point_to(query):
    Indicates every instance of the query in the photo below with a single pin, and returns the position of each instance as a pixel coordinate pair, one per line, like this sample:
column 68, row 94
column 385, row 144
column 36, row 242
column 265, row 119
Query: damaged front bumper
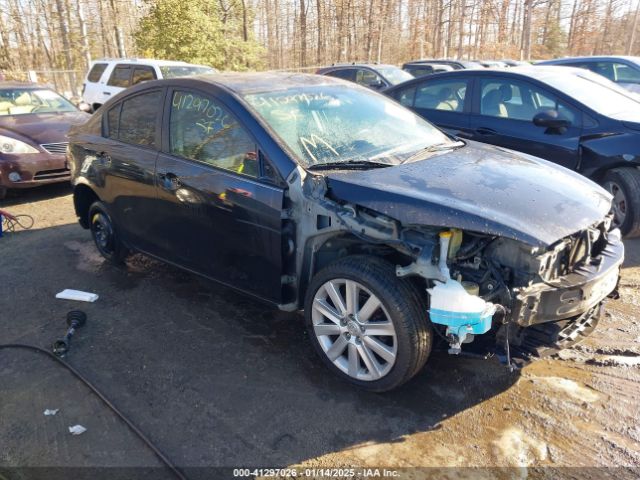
column 575, row 293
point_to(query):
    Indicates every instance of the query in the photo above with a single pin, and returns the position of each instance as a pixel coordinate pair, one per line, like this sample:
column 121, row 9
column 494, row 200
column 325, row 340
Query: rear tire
column 380, row 338
column 624, row 185
column 105, row 236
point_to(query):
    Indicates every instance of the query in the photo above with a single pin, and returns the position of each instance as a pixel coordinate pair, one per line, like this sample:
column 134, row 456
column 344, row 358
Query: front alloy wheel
column 367, row 325
column 354, row 329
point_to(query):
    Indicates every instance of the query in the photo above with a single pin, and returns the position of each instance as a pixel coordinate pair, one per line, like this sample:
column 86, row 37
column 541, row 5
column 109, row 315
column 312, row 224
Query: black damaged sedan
column 314, row 194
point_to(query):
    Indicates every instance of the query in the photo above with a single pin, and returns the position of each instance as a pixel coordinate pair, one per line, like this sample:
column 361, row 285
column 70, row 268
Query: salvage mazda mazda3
column 315, row 194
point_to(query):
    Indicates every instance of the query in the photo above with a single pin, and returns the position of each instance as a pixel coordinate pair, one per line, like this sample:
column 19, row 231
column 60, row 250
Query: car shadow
column 28, row 195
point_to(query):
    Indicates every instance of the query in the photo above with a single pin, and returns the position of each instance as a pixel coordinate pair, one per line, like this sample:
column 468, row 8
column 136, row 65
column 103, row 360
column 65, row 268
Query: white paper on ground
column 48, row 412
column 69, row 294
column 77, row 430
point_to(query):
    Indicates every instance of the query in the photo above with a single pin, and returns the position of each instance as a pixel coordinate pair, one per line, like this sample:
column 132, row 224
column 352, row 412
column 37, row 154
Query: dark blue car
column 569, row 116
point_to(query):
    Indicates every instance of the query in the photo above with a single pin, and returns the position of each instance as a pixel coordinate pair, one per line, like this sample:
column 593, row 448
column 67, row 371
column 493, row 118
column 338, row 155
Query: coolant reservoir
column 463, row 313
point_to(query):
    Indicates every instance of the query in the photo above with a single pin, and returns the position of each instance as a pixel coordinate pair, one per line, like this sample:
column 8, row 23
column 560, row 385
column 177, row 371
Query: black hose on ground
column 106, row 401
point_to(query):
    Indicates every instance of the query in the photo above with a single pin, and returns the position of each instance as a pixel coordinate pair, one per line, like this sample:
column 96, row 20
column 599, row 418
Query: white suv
column 108, row 77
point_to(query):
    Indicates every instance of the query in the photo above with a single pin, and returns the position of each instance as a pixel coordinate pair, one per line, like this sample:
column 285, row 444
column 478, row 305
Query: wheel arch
column 83, row 198
column 322, row 250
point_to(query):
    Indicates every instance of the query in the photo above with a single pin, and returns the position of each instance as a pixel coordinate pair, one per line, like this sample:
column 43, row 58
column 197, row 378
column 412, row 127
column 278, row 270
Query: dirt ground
column 218, row 380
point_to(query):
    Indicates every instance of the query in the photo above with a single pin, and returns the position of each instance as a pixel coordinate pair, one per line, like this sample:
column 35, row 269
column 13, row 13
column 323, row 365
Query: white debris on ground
column 49, row 412
column 77, row 430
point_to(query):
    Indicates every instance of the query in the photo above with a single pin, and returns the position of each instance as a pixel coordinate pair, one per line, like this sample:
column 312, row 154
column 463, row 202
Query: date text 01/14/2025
column 334, row 473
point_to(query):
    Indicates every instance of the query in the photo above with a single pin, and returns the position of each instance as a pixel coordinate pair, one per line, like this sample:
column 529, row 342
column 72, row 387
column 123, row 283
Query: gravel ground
column 218, row 380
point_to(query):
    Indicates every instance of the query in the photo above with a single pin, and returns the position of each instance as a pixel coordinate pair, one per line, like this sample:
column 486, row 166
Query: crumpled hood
column 480, row 188
column 41, row 127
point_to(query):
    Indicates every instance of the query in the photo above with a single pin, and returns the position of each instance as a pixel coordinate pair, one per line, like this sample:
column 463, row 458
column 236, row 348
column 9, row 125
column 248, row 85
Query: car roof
column 148, row 61
column 351, row 65
column 525, row 71
column 593, row 58
column 244, row 83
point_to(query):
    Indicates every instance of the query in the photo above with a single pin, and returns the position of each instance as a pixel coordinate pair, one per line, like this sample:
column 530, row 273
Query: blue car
column 569, row 116
column 624, row 70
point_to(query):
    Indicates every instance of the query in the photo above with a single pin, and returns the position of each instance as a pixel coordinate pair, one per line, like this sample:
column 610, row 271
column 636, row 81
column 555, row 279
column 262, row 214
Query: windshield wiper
column 438, row 147
column 348, row 164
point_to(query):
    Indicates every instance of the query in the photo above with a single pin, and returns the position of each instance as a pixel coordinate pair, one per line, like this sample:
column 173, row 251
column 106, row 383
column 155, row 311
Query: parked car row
column 315, row 193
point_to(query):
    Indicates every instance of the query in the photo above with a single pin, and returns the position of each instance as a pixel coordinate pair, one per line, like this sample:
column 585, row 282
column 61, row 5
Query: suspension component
column 75, row 320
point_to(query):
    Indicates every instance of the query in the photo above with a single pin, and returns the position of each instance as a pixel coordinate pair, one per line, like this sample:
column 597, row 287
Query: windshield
column 394, row 75
column 184, row 71
column 341, row 123
column 17, row 101
column 597, row 93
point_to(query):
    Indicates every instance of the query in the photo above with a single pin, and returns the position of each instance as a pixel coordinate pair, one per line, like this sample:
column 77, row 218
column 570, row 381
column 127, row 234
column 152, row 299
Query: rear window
column 120, row 76
column 96, row 72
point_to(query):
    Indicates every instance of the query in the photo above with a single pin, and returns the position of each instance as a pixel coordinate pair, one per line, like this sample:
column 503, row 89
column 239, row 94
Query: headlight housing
column 11, row 145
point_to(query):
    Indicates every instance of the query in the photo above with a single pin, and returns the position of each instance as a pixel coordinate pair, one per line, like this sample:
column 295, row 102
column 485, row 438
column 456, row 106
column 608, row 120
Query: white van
column 109, row 77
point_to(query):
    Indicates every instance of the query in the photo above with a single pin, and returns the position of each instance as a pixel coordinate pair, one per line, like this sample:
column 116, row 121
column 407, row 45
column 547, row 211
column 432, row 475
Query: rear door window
column 202, row 129
column 142, row 74
column 447, row 94
column 345, row 73
column 96, row 72
column 120, row 77
column 138, row 119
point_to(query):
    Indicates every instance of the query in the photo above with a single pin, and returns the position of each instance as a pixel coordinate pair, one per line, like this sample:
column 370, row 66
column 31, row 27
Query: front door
column 503, row 115
column 222, row 212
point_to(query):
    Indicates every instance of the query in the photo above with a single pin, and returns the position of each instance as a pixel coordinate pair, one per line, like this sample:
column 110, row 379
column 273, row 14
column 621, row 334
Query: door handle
column 169, row 181
column 486, row 131
column 106, row 93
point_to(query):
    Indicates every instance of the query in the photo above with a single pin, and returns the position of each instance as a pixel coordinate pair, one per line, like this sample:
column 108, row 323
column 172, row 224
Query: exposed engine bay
column 477, row 283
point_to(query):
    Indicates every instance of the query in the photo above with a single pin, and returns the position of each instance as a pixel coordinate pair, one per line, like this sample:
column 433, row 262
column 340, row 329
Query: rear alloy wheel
column 624, row 185
column 104, row 235
column 367, row 325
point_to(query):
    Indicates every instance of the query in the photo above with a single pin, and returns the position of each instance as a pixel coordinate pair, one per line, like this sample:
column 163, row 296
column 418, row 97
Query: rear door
column 119, row 79
column 220, row 201
column 142, row 73
column 127, row 160
column 443, row 101
column 91, row 89
column 503, row 111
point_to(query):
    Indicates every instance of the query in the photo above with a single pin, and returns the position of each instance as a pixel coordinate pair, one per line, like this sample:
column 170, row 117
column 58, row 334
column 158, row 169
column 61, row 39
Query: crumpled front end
column 532, row 287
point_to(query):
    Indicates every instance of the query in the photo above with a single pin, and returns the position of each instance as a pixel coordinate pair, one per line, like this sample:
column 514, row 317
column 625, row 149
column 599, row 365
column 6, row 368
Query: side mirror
column 551, row 119
column 85, row 107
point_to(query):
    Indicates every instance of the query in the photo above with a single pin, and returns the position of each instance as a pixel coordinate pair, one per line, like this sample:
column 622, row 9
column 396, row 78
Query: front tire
column 624, row 185
column 368, row 326
column 104, row 234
